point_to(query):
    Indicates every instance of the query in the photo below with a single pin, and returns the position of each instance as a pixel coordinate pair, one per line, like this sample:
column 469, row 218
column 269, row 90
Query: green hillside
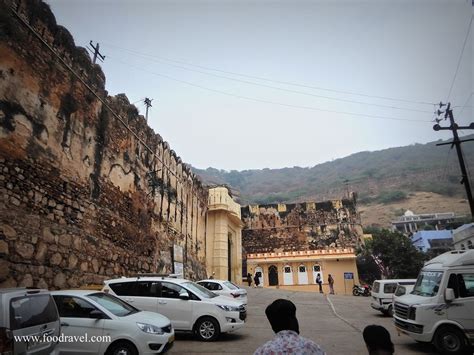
column 381, row 176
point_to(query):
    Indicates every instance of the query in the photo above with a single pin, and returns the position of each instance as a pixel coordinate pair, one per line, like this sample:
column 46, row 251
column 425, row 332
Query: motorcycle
column 362, row 290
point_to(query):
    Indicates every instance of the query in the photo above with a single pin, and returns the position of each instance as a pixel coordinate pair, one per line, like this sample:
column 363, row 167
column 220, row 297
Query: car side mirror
column 449, row 295
column 184, row 295
column 95, row 314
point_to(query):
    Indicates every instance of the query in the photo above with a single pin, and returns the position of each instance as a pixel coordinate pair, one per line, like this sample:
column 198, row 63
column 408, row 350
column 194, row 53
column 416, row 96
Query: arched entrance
column 259, row 273
column 302, row 275
column 273, row 275
column 287, row 275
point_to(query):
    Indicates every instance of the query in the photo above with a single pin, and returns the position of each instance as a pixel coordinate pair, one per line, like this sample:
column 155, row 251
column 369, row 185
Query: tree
column 367, row 268
column 393, row 253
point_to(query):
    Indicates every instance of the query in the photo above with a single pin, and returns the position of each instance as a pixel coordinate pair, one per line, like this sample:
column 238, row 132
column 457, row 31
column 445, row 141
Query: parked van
column 29, row 315
column 382, row 294
column 189, row 306
column 440, row 309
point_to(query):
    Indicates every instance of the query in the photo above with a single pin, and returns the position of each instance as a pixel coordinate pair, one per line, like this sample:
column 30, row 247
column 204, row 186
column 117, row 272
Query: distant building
column 410, row 223
column 297, row 270
column 464, row 237
column 436, row 240
column 287, row 245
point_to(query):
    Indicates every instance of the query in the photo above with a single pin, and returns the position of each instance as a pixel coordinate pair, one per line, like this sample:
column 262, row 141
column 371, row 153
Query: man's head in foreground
column 282, row 316
column 378, row 340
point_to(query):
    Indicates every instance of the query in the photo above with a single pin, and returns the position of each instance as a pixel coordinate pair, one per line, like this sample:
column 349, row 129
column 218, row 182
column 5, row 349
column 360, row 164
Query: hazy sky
column 186, row 54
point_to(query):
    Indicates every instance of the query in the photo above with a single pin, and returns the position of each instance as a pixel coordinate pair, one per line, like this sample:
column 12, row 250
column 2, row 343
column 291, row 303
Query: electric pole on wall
column 95, row 52
column 448, row 114
column 147, row 102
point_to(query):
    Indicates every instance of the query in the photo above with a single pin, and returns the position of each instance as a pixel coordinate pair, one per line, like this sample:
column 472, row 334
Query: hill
column 380, row 177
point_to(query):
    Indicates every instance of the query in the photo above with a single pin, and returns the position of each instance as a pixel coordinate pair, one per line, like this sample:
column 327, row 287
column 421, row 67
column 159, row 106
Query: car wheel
column 207, row 329
column 122, row 348
column 450, row 340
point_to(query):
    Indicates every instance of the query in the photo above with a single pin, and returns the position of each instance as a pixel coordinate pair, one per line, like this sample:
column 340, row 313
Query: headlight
column 228, row 308
column 411, row 313
column 150, row 329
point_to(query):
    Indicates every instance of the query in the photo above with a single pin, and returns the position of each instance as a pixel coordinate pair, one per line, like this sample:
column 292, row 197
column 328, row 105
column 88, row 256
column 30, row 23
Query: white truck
column 440, row 309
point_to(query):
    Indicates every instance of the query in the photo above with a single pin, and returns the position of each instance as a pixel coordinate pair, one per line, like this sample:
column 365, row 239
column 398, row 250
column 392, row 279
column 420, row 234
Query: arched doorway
column 287, row 275
column 259, row 273
column 302, row 275
column 273, row 275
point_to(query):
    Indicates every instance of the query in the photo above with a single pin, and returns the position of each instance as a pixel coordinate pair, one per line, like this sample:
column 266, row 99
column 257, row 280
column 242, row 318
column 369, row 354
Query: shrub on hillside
column 391, row 196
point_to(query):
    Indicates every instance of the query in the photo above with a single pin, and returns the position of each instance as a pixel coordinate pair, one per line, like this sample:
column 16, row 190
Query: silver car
column 29, row 322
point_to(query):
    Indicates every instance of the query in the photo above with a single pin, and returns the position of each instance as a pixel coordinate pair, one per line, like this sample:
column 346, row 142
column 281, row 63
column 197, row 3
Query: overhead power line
column 465, row 104
column 150, row 58
column 459, row 60
column 268, row 101
column 276, row 81
column 104, row 101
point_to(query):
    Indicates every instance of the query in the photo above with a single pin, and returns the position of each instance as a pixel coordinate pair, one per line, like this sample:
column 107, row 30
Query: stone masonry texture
column 81, row 198
column 301, row 226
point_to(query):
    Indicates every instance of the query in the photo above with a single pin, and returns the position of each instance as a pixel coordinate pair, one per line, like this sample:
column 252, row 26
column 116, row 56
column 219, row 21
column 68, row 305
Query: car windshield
column 113, row 304
column 230, row 285
column 400, row 291
column 198, row 290
column 427, row 284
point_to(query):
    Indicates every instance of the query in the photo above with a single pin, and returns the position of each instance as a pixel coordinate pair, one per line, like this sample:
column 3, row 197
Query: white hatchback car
column 189, row 306
column 117, row 327
column 225, row 288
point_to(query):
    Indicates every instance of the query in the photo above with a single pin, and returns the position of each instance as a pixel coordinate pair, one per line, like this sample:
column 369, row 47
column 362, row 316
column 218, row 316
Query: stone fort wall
column 300, row 226
column 87, row 189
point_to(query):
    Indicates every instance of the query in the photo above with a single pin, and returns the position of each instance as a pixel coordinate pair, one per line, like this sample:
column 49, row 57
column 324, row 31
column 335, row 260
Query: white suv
column 189, row 306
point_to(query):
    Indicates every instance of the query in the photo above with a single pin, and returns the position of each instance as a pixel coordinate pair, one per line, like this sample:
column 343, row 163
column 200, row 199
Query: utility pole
column 147, row 102
column 448, row 113
column 96, row 53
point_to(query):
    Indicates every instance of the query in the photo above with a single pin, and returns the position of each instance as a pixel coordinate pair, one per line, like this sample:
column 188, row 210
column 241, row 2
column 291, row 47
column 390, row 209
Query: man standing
column 319, row 282
column 282, row 317
column 331, row 284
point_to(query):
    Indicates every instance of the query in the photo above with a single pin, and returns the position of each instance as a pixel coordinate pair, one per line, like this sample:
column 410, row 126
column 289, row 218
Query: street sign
column 348, row 276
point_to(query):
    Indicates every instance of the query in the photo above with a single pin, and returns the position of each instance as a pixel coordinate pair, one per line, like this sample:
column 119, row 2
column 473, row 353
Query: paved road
column 336, row 334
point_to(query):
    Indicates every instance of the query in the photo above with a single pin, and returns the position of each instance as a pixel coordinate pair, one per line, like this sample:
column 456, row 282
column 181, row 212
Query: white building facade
column 464, row 237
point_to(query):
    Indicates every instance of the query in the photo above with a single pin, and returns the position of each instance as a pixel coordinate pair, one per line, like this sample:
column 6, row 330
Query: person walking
column 282, row 317
column 319, row 282
column 256, row 279
column 331, row 284
column 249, row 279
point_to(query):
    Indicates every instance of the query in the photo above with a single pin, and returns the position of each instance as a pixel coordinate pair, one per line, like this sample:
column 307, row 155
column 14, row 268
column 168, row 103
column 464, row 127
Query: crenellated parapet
column 301, row 227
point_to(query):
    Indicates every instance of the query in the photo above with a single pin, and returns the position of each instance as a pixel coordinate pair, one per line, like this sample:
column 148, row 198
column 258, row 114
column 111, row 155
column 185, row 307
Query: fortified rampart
column 274, row 228
column 87, row 189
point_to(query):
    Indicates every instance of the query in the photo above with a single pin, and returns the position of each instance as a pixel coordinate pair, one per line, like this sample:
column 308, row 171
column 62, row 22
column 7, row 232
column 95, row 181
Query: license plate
column 171, row 339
